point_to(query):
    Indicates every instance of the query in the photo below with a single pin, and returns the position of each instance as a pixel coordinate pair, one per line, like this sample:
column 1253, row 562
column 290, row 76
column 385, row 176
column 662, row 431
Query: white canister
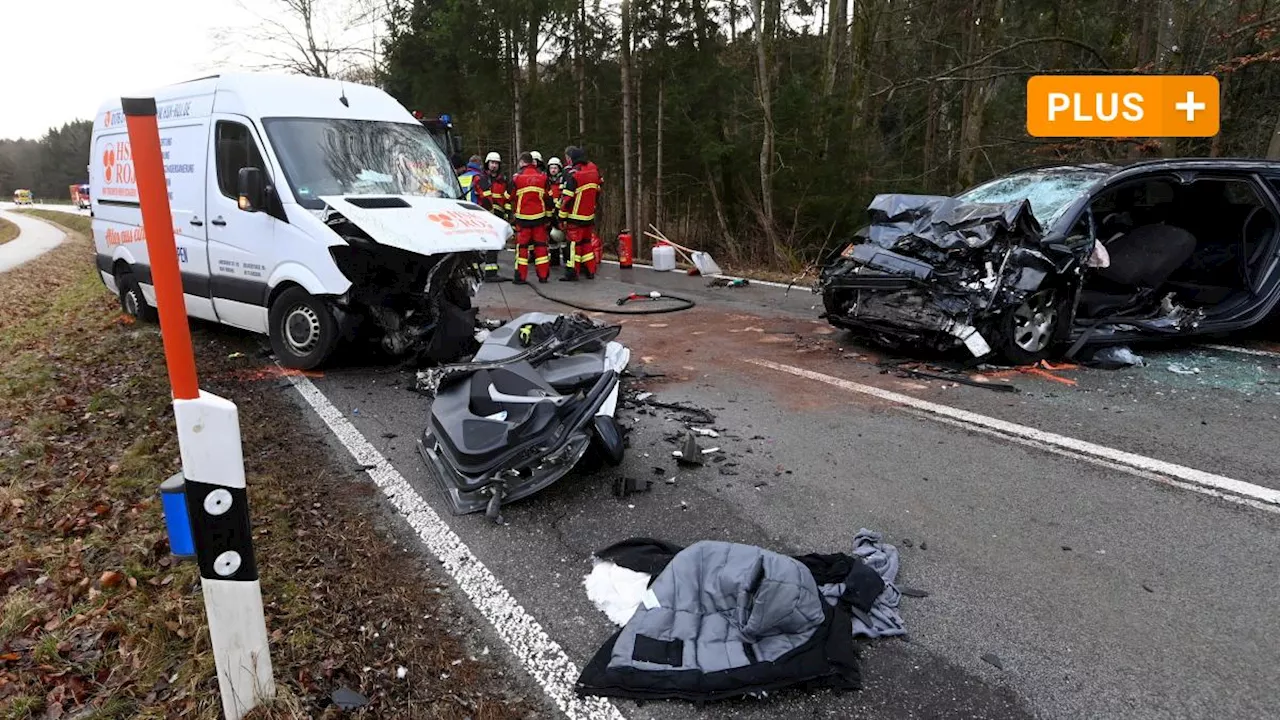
column 664, row 258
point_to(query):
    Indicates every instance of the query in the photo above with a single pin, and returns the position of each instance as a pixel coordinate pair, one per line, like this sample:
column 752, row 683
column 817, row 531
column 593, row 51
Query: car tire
column 132, row 302
column 1027, row 332
column 302, row 329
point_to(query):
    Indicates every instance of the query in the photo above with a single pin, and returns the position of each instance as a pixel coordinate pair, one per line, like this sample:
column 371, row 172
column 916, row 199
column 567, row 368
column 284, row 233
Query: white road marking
column 543, row 657
column 1138, row 464
column 1244, row 350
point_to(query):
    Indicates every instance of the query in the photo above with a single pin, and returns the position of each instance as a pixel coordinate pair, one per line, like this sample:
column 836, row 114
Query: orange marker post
column 209, row 442
column 157, row 224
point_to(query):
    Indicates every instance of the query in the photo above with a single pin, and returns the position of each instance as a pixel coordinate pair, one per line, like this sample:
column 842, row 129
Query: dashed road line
column 1141, row 465
column 541, row 656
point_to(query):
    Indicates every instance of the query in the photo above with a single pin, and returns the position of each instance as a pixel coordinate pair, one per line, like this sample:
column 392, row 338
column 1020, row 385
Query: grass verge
column 8, row 231
column 97, row 620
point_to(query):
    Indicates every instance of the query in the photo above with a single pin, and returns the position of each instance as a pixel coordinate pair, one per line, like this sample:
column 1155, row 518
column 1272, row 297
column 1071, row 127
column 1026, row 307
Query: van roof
column 265, row 95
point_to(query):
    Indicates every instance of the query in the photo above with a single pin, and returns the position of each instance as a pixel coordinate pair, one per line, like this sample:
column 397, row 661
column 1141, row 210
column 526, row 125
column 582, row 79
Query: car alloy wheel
column 1034, row 321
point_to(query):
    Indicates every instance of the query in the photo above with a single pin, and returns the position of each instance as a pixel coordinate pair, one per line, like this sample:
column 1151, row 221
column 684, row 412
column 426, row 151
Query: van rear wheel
column 132, row 301
column 302, row 329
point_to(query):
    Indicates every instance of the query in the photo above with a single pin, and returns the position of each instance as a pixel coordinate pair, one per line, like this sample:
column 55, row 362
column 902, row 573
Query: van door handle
column 218, row 221
column 197, row 222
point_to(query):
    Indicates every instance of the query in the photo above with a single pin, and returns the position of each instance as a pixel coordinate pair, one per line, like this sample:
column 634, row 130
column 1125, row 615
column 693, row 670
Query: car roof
column 1158, row 164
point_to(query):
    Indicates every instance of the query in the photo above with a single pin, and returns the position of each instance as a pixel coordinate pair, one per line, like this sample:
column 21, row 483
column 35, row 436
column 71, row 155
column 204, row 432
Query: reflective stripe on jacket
column 580, row 193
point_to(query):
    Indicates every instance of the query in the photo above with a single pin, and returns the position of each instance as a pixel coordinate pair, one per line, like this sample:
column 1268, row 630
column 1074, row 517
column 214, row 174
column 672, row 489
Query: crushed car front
column 948, row 271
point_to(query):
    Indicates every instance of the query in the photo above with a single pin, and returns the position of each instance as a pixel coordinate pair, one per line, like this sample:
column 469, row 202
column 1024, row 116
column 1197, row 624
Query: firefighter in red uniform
column 532, row 212
column 492, row 195
column 557, row 244
column 579, row 198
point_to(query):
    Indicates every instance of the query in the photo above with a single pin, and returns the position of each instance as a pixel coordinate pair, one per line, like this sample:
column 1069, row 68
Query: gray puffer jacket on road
column 724, row 619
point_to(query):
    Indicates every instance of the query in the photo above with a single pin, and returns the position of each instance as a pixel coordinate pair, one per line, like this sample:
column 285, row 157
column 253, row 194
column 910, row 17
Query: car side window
column 235, row 149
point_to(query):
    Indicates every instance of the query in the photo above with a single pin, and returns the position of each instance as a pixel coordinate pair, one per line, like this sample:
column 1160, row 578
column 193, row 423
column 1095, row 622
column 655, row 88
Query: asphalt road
column 1101, row 591
column 35, row 238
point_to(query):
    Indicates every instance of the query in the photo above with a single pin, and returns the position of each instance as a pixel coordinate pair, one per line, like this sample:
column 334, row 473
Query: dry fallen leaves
column 110, row 579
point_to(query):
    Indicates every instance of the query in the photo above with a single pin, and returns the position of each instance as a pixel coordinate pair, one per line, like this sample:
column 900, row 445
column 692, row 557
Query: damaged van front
column 407, row 242
column 942, row 272
column 308, row 209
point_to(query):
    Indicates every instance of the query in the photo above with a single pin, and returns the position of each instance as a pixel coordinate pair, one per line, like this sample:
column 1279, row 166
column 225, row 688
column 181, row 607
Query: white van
column 310, row 210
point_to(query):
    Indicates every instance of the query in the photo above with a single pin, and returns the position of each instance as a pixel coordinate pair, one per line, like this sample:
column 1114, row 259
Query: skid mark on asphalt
column 541, row 656
column 1140, row 465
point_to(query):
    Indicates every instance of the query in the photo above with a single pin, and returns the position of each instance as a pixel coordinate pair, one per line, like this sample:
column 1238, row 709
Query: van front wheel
column 302, row 329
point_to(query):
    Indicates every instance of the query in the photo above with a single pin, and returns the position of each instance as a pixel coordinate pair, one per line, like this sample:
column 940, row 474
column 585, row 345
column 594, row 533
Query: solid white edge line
column 1244, row 350
column 543, row 657
column 1127, row 460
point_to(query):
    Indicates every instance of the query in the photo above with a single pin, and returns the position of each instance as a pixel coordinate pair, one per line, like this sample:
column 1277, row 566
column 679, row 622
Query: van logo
column 108, row 160
column 457, row 222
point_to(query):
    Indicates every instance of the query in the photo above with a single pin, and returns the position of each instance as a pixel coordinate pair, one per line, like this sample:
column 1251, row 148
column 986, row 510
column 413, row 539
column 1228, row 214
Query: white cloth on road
column 616, row 591
column 35, row 238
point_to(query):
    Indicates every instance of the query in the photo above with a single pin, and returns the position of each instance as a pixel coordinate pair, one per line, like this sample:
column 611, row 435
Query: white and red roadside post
column 209, row 442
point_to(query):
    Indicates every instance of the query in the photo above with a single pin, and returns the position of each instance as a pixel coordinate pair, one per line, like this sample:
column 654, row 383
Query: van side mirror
column 251, row 189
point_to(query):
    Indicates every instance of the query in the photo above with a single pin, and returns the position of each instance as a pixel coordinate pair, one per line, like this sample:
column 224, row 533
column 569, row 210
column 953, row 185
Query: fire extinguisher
column 624, row 249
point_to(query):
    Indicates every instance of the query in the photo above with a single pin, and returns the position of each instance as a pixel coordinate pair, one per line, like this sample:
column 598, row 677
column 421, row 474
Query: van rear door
column 238, row 240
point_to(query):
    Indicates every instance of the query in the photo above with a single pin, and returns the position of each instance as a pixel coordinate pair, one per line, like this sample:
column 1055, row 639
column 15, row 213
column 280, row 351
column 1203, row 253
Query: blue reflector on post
column 173, row 496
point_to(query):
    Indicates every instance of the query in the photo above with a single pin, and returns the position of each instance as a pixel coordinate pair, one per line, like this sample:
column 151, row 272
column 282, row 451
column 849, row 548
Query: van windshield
column 323, row 156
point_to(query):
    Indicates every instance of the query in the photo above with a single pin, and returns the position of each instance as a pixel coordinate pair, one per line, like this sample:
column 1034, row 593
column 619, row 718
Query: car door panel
column 238, row 239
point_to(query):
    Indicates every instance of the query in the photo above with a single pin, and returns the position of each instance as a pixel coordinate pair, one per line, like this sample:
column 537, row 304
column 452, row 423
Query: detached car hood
column 423, row 225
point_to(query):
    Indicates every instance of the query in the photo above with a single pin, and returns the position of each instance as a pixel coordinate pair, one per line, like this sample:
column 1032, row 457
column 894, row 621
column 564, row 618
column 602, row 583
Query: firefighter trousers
column 535, row 239
column 582, row 256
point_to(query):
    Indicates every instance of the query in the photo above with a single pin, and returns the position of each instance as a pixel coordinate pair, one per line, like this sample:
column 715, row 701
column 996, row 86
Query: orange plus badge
column 1122, row 106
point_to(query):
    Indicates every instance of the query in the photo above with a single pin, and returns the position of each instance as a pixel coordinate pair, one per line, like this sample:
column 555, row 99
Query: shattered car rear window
column 1049, row 191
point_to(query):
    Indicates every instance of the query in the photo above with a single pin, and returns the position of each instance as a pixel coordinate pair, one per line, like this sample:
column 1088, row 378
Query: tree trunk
column 836, row 25
column 531, row 50
column 1165, row 41
column 760, row 19
column 517, row 104
column 628, row 197
column 985, row 18
column 662, row 87
column 639, row 128
column 1215, row 146
column 1273, row 149
column 580, row 69
column 657, row 172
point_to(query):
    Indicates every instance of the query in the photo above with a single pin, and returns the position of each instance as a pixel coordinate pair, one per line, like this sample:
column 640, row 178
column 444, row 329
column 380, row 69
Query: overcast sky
column 61, row 58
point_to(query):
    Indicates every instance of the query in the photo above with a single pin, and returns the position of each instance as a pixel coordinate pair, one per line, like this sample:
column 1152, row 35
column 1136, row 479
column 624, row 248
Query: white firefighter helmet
column 493, row 157
column 555, row 161
column 537, row 156
column 557, row 236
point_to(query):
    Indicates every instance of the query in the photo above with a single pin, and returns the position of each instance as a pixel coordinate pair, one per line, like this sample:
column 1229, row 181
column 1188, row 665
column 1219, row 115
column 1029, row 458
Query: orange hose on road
column 157, row 225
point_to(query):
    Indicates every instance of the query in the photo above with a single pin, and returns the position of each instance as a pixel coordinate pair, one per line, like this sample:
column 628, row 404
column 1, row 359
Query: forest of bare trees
column 761, row 128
